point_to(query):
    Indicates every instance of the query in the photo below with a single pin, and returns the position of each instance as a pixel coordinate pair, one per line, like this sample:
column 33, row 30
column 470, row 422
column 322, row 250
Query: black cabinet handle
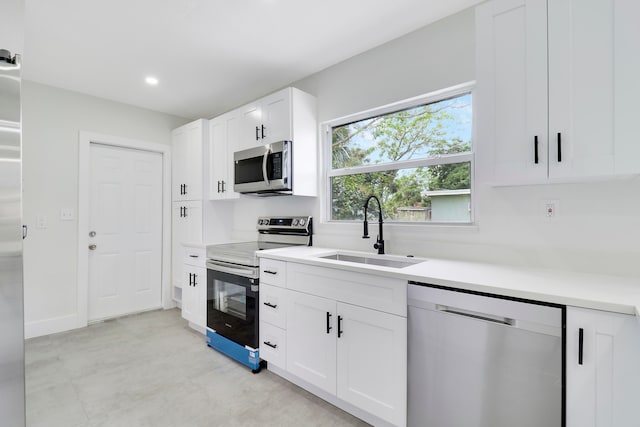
column 263, row 134
column 223, row 185
column 328, row 322
column 340, row 332
column 268, row 304
column 580, row 345
column 535, row 149
column 185, row 211
column 218, row 186
column 190, row 279
column 181, row 212
column 270, row 272
column 270, row 345
column 559, row 147
column 195, row 276
column 257, row 136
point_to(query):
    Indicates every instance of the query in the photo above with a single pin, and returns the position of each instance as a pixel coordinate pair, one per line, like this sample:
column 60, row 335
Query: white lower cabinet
column 194, row 287
column 603, row 369
column 311, row 339
column 312, row 327
column 355, row 353
column 371, row 367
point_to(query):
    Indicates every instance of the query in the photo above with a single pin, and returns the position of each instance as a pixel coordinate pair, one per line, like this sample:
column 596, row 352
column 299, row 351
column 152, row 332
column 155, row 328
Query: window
column 416, row 157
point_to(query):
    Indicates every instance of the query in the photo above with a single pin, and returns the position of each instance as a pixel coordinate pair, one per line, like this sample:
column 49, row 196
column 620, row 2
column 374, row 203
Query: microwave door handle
column 264, row 165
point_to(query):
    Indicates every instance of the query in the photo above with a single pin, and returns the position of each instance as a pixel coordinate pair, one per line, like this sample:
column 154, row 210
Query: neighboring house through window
column 416, row 156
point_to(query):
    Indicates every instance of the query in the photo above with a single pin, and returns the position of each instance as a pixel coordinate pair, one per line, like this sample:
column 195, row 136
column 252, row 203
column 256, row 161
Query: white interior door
column 125, row 213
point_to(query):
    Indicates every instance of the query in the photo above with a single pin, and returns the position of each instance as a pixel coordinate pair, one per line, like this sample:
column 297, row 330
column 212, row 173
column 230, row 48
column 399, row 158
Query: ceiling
column 209, row 56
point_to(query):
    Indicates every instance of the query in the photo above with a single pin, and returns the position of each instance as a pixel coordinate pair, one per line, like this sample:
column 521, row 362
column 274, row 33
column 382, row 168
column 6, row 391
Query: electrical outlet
column 66, row 215
column 551, row 208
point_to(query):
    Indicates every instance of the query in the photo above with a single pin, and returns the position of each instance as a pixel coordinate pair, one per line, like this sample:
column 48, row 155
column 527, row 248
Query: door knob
column 92, row 247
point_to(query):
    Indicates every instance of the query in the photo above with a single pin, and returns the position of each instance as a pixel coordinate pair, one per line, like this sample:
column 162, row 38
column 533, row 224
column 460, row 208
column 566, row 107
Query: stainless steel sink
column 382, row 260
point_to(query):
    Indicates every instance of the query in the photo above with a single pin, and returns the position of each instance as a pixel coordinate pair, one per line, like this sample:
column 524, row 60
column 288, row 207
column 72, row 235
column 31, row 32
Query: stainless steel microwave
column 263, row 170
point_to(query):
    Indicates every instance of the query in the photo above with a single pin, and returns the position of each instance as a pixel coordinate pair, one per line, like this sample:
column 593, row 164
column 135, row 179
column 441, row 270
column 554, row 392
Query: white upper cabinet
column 223, row 131
column 277, row 117
column 556, row 89
column 187, row 166
column 249, row 132
column 286, row 115
column 267, row 120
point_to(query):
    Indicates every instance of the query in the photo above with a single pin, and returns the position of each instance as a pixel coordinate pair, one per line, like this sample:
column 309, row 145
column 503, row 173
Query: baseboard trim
column 50, row 326
column 328, row 397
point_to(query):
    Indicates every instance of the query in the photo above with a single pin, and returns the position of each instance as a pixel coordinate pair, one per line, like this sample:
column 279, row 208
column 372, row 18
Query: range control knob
column 302, row 221
column 295, row 222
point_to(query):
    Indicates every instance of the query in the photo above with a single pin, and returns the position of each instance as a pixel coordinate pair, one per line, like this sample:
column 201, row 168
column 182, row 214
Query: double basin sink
column 392, row 261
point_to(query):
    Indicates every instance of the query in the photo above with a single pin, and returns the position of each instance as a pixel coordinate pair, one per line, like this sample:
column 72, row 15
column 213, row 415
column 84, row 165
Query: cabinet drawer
column 272, row 344
column 272, row 308
column 273, row 272
column 195, row 256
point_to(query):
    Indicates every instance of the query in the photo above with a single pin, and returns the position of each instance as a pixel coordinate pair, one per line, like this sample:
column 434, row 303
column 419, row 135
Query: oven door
column 232, row 307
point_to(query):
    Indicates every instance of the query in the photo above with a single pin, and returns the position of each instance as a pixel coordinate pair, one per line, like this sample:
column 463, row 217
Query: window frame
column 428, row 98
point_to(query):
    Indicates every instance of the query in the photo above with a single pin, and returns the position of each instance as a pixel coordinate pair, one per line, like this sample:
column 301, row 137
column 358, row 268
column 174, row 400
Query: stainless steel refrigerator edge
column 12, row 390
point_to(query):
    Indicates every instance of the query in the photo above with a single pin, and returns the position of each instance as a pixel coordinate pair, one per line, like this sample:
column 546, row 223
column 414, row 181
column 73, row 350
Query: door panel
column 311, row 351
column 372, row 366
column 125, row 211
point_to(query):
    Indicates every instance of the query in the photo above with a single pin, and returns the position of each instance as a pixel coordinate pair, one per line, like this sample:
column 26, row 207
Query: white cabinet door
column 372, row 362
column 581, row 87
column 187, row 144
column 593, row 54
column 311, row 339
column 511, row 92
column 249, row 134
column 222, row 139
column 602, row 369
column 186, row 226
column 194, row 295
column 276, row 117
column 217, row 157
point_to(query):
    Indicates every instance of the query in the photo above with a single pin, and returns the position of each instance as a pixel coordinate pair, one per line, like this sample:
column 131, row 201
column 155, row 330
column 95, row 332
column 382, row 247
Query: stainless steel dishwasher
column 478, row 360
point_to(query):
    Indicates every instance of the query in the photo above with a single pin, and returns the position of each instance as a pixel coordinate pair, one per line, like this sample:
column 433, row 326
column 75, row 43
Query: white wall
column 52, row 118
column 597, row 228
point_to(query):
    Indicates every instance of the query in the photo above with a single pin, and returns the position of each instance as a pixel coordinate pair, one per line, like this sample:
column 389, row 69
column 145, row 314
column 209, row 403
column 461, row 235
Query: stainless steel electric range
column 233, row 286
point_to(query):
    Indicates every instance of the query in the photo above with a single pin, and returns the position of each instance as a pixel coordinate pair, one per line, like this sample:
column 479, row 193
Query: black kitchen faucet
column 379, row 245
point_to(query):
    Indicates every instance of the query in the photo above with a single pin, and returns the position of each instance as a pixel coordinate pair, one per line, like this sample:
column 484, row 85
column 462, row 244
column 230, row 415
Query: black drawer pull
column 328, row 322
column 263, row 134
column 257, row 130
column 340, row 332
column 270, row 345
column 580, row 345
column 535, row 148
column 268, row 304
column 270, row 272
column 193, row 256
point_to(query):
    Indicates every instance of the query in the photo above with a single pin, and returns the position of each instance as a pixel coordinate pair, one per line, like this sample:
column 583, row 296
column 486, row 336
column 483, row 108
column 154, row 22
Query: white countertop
column 601, row 292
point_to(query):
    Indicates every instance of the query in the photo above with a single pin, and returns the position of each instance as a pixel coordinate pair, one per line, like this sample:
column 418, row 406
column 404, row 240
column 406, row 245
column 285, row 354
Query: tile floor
column 152, row 370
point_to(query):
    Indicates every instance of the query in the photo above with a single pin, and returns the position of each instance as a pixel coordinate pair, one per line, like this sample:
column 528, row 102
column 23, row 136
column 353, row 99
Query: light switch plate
column 66, row 215
column 41, row 221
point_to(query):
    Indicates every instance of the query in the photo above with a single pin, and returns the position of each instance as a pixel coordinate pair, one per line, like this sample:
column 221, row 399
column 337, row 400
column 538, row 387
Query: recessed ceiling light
column 152, row 81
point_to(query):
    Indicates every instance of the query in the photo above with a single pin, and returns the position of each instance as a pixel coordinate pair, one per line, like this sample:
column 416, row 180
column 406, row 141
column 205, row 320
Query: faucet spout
column 379, row 245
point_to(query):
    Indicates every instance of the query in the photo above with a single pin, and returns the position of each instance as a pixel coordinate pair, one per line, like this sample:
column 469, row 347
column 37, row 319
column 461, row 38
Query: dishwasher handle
column 476, row 315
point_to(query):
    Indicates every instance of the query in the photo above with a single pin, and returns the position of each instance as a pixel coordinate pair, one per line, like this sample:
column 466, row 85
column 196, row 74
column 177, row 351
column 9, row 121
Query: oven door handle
column 226, row 268
column 264, row 164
